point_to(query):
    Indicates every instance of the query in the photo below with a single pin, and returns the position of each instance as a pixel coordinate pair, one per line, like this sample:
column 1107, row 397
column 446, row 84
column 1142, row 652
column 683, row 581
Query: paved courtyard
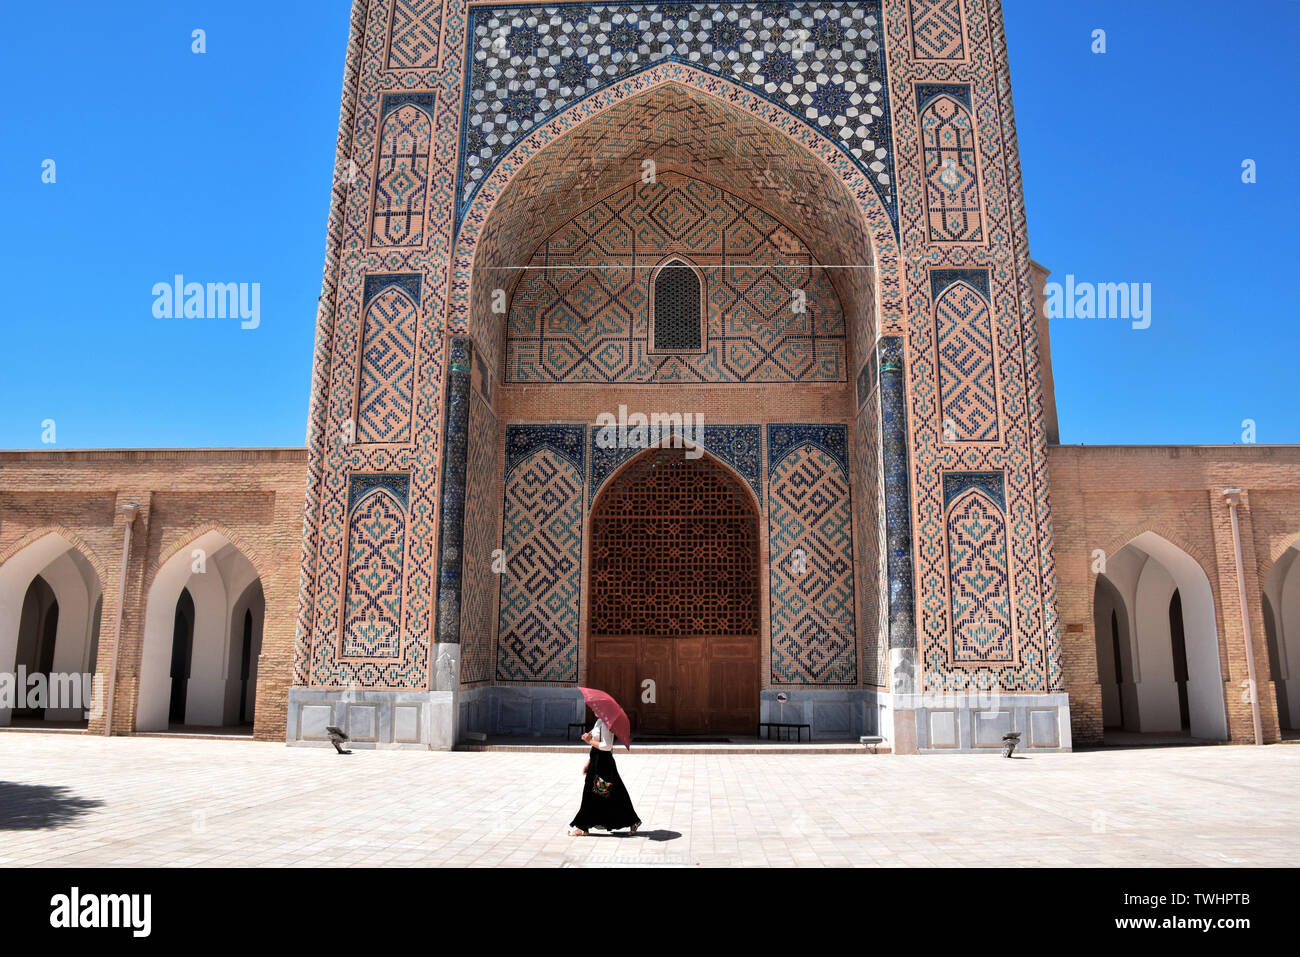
column 74, row 800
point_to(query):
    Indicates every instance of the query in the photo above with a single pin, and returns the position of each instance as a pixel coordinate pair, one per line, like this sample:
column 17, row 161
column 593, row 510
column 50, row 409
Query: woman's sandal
column 634, row 827
column 577, row 832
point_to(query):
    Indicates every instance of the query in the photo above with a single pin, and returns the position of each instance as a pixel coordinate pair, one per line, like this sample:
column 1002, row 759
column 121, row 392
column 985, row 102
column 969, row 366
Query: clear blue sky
column 218, row 166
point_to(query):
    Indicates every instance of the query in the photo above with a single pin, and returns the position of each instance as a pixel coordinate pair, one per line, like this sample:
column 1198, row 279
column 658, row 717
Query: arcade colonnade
column 1155, row 638
column 208, row 573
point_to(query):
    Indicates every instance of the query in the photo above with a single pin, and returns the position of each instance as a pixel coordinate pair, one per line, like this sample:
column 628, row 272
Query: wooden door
column 613, row 668
column 691, row 704
column 656, row 663
column 674, row 595
column 733, row 685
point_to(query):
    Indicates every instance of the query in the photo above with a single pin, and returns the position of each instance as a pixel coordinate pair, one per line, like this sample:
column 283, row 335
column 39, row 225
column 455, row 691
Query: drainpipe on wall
column 1233, row 497
column 129, row 512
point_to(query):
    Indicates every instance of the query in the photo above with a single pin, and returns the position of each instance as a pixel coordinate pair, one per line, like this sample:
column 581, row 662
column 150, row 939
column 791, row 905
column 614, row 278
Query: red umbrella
column 608, row 710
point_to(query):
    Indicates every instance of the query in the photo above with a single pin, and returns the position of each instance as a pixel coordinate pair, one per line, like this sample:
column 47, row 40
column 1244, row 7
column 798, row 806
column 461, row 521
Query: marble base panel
column 522, row 712
column 418, row 720
column 973, row 723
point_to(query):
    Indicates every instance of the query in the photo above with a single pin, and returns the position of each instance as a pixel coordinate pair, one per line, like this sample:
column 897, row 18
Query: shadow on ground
column 659, row 835
column 31, row 807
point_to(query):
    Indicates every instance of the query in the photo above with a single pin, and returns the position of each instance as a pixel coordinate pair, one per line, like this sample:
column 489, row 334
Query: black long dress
column 605, row 801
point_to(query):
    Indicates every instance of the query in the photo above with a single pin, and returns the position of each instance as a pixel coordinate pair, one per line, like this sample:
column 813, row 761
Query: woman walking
column 605, row 801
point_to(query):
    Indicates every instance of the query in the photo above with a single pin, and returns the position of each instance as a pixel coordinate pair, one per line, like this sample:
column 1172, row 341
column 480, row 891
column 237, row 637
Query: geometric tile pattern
column 565, row 440
column 376, row 556
column 980, row 597
column 896, row 472
column 387, row 368
column 401, row 178
column 414, row 34
column 568, row 323
column 540, row 587
column 992, row 484
column 782, row 439
column 775, row 160
column 314, row 631
column 873, row 588
column 482, row 536
column 823, row 62
column 982, row 86
column 739, row 446
column 937, row 30
column 967, row 375
column 451, row 515
column 333, row 453
column 952, row 191
column 810, row 541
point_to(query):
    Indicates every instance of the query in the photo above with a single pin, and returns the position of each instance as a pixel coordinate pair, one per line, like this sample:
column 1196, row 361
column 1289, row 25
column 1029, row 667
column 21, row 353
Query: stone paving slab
column 88, row 801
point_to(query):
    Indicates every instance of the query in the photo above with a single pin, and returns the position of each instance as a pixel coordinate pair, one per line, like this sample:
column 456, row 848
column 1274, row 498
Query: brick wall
column 254, row 497
column 1105, row 496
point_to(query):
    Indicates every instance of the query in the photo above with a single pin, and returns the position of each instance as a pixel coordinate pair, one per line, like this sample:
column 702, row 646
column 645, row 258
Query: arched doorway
column 37, row 633
column 578, row 247
column 1158, row 643
column 51, row 600
column 182, row 651
column 1119, row 705
column 195, row 670
column 674, row 595
column 1281, row 604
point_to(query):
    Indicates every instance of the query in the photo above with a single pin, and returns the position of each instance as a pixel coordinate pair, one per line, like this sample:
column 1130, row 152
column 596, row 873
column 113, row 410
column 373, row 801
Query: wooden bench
column 783, row 730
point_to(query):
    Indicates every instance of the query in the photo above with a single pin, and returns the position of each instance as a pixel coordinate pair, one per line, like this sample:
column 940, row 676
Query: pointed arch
column 374, row 564
column 1276, row 551
column 675, row 592
column 1147, row 570
column 1280, row 598
column 1168, row 533
column 215, row 567
column 1112, row 627
column 501, row 220
column 954, row 208
column 678, row 306
column 981, row 623
column 73, row 541
column 677, row 440
column 75, row 579
column 214, row 532
column 401, row 176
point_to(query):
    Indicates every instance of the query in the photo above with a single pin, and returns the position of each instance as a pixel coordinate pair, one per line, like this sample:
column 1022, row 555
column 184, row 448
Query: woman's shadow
column 655, row 835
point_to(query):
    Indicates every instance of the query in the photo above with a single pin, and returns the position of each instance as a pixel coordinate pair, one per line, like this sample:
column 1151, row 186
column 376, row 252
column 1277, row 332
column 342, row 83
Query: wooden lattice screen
column 674, row 546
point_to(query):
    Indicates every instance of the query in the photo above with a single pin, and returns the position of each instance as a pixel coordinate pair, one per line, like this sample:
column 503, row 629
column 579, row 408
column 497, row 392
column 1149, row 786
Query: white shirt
column 601, row 736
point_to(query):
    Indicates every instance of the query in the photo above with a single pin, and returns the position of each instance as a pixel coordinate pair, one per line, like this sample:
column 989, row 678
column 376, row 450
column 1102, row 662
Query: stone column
column 451, row 530
column 904, row 673
column 903, row 666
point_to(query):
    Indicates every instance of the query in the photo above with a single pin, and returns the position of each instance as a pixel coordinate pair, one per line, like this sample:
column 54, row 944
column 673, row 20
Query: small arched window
column 678, row 312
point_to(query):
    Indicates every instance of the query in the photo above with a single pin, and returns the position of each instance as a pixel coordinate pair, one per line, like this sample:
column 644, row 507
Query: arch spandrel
column 822, row 63
column 689, row 122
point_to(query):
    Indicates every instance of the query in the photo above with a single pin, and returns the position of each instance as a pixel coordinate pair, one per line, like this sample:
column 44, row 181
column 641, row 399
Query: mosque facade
column 693, row 351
